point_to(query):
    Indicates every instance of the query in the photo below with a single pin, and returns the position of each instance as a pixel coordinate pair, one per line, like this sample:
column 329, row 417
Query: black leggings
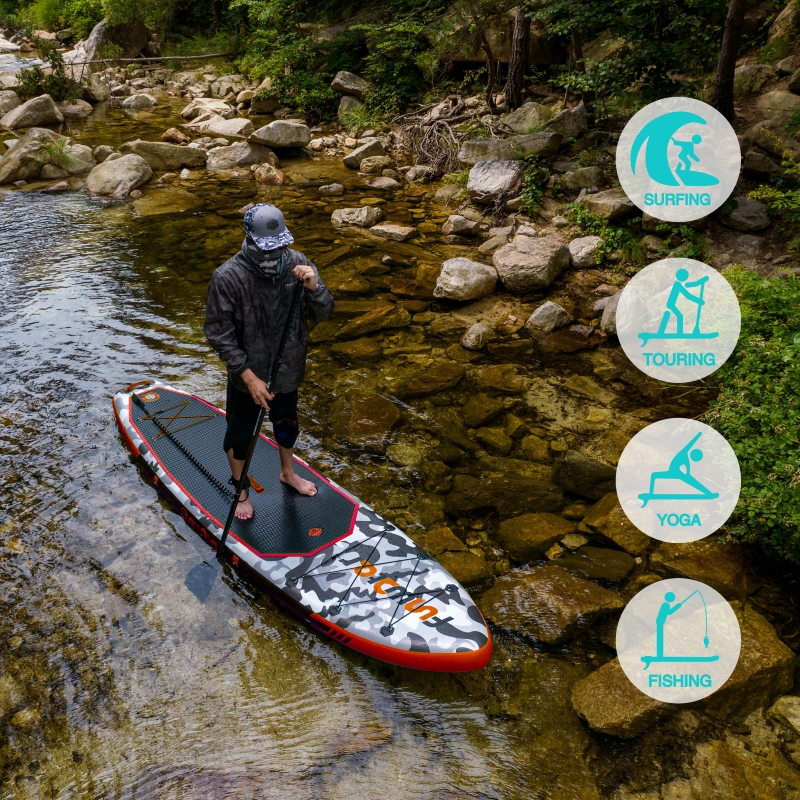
column 242, row 414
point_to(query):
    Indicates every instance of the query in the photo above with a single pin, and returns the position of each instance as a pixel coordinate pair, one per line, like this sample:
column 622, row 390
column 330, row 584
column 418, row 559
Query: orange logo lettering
column 366, row 570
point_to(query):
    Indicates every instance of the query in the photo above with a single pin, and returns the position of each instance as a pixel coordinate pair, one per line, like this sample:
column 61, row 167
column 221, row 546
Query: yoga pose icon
column 680, row 470
column 664, row 613
column 687, row 154
column 681, row 289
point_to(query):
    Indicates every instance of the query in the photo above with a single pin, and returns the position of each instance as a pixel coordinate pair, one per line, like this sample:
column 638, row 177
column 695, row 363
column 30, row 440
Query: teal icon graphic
column 681, row 288
column 656, row 137
column 662, row 617
column 680, row 469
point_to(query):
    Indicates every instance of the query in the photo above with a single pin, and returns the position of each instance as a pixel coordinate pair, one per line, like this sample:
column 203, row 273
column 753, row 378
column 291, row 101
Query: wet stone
column 501, row 378
column 547, row 603
column 364, row 420
column 438, row 540
column 536, row 449
column 787, row 711
column 430, row 381
column 607, row 518
column 477, row 336
column 357, row 351
column 466, row 567
column 508, row 496
column 480, row 409
column 581, row 474
column 574, row 338
column 495, row 439
column 598, row 563
column 527, row 536
column 386, row 317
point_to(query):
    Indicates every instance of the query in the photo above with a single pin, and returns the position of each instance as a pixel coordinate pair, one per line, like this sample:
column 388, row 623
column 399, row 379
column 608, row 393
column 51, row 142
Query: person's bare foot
column 244, row 508
column 299, row 484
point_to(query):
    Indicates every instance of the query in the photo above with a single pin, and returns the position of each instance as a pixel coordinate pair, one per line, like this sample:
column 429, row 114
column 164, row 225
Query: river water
column 115, row 680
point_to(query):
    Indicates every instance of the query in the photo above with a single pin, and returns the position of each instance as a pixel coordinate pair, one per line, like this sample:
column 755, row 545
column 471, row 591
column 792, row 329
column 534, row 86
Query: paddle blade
column 200, row 580
column 705, row 641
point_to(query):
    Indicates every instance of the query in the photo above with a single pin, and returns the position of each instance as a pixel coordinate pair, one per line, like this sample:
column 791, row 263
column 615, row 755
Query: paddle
column 200, row 579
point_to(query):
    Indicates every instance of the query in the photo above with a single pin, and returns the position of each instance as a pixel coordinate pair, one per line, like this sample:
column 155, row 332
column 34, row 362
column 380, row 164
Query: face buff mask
column 270, row 264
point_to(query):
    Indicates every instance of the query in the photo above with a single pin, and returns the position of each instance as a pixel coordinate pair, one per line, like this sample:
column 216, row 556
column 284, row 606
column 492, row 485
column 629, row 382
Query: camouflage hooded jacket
column 246, row 314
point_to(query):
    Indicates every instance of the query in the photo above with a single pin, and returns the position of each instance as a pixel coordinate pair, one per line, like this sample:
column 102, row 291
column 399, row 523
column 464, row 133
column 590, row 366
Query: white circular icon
column 678, row 159
column 678, row 320
column 678, row 480
column 678, row 640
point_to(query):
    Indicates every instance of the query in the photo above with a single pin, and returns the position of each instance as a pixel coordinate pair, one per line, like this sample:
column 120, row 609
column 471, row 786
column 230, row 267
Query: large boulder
column 528, row 265
column 9, row 100
column 528, row 118
column 777, row 105
column 237, row 128
column 582, row 251
column 37, row 111
column 490, row 179
column 165, row 157
column 282, row 133
column 463, row 279
column 570, row 123
column 527, row 536
column 347, row 105
column 348, row 83
column 202, row 105
column 543, row 144
column 772, row 138
column 785, row 24
column 129, row 37
column 95, row 89
column 25, row 160
column 613, row 205
column 547, row 603
column 239, row 154
column 369, row 149
column 749, row 216
column 139, row 102
column 118, row 178
column 363, row 217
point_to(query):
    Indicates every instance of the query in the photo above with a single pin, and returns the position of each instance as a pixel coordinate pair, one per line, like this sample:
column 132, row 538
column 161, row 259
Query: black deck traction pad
column 285, row 522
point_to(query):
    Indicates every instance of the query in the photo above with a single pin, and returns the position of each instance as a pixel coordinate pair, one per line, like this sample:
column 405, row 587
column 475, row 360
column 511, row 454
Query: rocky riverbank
column 471, row 371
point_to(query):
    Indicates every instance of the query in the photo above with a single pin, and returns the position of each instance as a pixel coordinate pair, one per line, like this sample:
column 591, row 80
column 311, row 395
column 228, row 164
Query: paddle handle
column 262, row 412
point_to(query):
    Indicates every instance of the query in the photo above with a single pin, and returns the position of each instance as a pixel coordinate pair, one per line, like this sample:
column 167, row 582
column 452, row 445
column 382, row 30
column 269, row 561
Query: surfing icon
column 662, row 618
column 680, row 289
column 678, row 159
column 680, row 469
column 656, row 137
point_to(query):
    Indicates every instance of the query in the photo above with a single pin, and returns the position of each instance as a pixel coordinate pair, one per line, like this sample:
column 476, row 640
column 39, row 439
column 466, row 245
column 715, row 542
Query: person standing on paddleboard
column 249, row 302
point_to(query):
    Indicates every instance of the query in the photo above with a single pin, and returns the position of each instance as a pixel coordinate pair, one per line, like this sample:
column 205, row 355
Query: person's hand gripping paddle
column 199, row 580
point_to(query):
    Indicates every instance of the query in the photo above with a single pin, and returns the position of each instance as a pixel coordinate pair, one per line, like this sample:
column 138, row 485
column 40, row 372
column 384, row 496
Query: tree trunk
column 520, row 45
column 486, row 47
column 722, row 99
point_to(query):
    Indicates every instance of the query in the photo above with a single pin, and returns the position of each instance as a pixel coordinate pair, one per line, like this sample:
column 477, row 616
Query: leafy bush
column 783, row 198
column 758, row 412
column 358, row 120
column 682, row 241
column 534, row 185
column 34, row 82
column 614, row 237
column 773, row 51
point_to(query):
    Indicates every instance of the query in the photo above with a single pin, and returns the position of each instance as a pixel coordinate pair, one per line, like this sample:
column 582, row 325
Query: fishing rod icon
column 661, row 620
column 681, row 289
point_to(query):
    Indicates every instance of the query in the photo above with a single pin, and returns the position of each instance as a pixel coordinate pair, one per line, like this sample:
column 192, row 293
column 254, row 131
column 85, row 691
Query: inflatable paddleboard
column 331, row 559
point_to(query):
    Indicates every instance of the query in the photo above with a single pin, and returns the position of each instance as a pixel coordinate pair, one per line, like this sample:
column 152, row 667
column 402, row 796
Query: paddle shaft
column 276, row 365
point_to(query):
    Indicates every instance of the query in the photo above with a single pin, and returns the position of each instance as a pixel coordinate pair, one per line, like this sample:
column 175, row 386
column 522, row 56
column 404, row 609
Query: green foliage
column 758, row 412
column 683, row 241
column 358, row 120
column 459, row 178
column 59, row 152
column 663, row 42
column 35, row 81
column 534, row 185
column 773, row 51
column 783, row 199
column 614, row 237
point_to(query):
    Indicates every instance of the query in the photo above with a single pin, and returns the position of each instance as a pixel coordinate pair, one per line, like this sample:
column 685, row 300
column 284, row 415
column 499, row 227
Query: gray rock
column 794, row 82
column 545, row 144
column 787, row 711
column 347, row 105
column 348, row 83
column 459, row 226
column 478, row 336
column 374, row 148
column 203, row 105
column 748, row 216
column 95, row 90
column 8, row 101
column 77, row 108
column 393, row 231
column 493, row 244
column 119, row 177
column 582, row 251
column 384, row 182
column 598, row 563
column 581, row 474
column 527, row 230
column 25, row 160
column 753, row 76
column 562, row 167
column 757, row 165
column 786, row 66
column 9, row 143
column 137, row 102
column 82, row 159
column 163, row 156
column 570, row 123
column 583, row 178
column 613, row 205
column 488, row 179
column 50, row 172
column 462, row 279
column 771, row 138
column 528, row 118
column 282, row 133
column 239, row 154
column 374, row 165
column 238, row 128
column 777, row 105
column 527, row 265
column 332, row 189
column 419, row 173
column 749, row 245
column 363, row 217
column 546, row 319
column 38, row 111
column 102, row 152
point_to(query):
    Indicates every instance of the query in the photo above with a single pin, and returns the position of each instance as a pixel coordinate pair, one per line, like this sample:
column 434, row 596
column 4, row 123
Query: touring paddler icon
column 678, row 640
column 678, row 320
column 678, row 480
column 678, row 159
